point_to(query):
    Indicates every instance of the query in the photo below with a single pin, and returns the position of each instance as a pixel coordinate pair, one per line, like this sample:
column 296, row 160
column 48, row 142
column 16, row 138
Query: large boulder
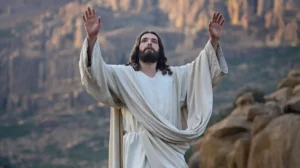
column 229, row 126
column 278, row 145
column 296, row 90
column 289, row 82
column 293, row 105
column 238, row 157
column 281, row 95
column 294, row 73
column 256, row 134
column 214, row 151
column 231, row 133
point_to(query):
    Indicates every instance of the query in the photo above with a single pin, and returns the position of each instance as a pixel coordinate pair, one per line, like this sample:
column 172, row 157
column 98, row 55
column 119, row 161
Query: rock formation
column 41, row 93
column 256, row 135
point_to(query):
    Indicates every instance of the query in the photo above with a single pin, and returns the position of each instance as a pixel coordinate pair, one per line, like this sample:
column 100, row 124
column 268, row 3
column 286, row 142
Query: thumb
column 99, row 20
column 209, row 24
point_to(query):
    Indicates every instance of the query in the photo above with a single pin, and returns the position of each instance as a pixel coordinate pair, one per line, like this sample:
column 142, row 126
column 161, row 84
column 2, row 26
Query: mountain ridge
column 42, row 98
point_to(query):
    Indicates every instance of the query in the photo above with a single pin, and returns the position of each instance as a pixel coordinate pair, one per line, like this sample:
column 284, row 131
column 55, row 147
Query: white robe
column 159, row 115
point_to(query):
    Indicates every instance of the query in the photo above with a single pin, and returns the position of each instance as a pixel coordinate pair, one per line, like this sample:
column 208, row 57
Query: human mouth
column 149, row 49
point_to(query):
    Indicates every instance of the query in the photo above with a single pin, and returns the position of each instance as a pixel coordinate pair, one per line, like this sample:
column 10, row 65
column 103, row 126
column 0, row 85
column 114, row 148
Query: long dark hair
column 162, row 59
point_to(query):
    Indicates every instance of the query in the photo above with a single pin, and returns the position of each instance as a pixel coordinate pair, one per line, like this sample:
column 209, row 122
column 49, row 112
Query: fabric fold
column 193, row 91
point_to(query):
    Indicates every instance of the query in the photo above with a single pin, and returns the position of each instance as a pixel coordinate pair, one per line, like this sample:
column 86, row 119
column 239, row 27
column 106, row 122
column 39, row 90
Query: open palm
column 215, row 26
column 91, row 23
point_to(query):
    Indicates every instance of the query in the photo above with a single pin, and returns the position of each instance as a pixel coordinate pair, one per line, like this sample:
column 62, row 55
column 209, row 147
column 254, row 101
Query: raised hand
column 215, row 27
column 91, row 23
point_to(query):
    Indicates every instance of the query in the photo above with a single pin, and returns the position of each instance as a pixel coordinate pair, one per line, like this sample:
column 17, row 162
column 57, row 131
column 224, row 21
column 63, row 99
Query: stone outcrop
column 255, row 135
column 54, row 39
column 256, row 15
column 39, row 55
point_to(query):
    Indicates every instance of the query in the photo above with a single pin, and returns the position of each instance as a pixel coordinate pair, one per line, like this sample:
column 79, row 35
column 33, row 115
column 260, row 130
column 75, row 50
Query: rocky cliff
column 43, row 107
column 256, row 134
column 52, row 40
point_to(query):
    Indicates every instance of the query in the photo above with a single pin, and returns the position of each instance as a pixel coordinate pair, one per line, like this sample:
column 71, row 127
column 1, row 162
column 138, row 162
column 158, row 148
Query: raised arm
column 92, row 26
column 97, row 77
column 208, row 68
column 195, row 80
column 212, row 52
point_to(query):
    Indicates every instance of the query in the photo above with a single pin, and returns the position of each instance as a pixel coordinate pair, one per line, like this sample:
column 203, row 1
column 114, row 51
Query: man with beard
column 158, row 107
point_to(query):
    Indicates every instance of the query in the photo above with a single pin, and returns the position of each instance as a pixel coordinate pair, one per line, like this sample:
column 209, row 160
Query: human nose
column 149, row 43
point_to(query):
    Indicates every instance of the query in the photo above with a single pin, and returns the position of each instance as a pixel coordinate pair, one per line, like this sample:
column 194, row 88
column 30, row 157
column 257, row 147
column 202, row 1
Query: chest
column 154, row 87
column 158, row 91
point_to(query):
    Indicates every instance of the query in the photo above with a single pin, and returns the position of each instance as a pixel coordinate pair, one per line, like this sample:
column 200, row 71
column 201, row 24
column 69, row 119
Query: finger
column 219, row 18
column 99, row 20
column 214, row 16
column 86, row 14
column 93, row 12
column 84, row 18
column 89, row 11
column 222, row 22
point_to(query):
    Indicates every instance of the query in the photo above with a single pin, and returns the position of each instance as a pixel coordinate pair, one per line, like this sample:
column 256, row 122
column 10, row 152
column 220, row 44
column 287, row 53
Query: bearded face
column 149, row 55
column 149, row 48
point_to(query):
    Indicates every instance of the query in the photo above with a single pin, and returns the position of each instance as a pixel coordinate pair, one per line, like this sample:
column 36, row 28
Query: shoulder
column 121, row 67
column 122, row 71
column 179, row 69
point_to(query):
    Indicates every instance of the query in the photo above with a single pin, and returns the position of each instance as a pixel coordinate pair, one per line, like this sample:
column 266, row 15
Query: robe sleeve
column 217, row 69
column 99, row 79
column 195, row 83
column 217, row 63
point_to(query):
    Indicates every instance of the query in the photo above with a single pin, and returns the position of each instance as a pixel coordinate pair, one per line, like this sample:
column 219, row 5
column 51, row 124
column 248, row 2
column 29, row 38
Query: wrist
column 92, row 39
column 214, row 41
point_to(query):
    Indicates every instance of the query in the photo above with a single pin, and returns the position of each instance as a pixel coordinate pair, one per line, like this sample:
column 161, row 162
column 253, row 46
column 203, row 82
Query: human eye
column 144, row 39
column 154, row 41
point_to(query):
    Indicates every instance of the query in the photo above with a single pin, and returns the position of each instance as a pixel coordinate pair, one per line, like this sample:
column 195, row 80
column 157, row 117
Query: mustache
column 149, row 48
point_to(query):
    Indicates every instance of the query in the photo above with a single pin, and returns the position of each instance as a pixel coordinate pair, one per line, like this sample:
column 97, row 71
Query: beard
column 148, row 56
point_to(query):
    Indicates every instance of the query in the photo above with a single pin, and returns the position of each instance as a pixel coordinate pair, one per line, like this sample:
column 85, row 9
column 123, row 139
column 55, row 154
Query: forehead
column 149, row 36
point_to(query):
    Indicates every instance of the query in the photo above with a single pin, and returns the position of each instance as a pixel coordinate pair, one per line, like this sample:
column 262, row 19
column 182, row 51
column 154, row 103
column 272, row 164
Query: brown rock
column 291, row 34
column 269, row 112
column 289, row 82
column 238, row 111
column 239, row 156
column 245, row 99
column 78, row 34
column 229, row 126
column 281, row 95
column 194, row 160
column 296, row 90
column 294, row 73
column 277, row 146
column 273, row 110
column 251, row 111
column 293, row 105
column 214, row 151
column 259, row 123
column 254, row 110
column 197, row 145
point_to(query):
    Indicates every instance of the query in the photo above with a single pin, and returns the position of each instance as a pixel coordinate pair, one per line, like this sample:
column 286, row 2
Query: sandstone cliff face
column 58, row 35
column 277, row 18
column 256, row 135
column 39, row 77
column 52, row 44
column 273, row 22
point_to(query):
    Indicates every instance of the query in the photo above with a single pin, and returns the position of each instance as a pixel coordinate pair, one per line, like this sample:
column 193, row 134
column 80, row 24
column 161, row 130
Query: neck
column 148, row 68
